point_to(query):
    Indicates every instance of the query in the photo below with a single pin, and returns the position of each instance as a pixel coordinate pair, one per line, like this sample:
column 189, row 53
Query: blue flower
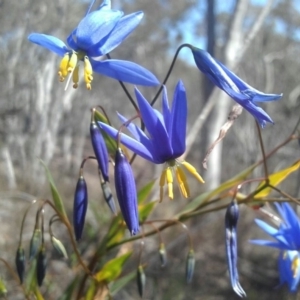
column 231, row 219
column 236, row 88
column 98, row 33
column 287, row 240
column 126, row 192
column 166, row 140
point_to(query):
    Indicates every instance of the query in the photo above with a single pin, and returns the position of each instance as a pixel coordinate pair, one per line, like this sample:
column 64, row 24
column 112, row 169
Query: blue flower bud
column 107, row 194
column 126, row 192
column 80, row 207
column 231, row 219
column 41, row 265
column 190, row 266
column 141, row 280
column 34, row 243
column 20, row 263
column 100, row 150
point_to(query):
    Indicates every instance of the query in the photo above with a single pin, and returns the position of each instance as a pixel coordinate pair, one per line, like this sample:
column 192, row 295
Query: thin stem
column 263, row 151
column 23, row 221
column 169, row 71
column 125, row 90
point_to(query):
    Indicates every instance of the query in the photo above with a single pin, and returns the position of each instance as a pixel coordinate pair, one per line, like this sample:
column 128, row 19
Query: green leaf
column 276, row 178
column 145, row 210
column 205, row 197
column 144, row 192
column 119, row 284
column 116, row 231
column 112, row 269
column 58, row 203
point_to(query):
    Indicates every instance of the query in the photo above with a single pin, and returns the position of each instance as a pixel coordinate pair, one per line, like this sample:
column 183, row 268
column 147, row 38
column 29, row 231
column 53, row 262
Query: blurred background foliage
column 40, row 120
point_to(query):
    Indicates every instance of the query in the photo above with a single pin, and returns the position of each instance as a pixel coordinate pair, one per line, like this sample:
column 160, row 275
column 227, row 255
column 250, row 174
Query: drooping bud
column 20, row 263
column 126, row 192
column 190, row 266
column 162, row 255
column 231, row 219
column 80, row 207
column 100, row 149
column 35, row 243
column 107, row 194
column 141, row 280
column 41, row 265
column 59, row 247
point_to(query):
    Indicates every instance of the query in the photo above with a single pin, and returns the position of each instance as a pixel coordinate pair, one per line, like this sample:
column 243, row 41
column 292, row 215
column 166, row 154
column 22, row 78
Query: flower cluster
column 161, row 139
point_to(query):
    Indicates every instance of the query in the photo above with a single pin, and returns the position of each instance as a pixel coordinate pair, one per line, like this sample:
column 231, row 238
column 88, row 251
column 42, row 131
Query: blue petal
column 129, row 142
column 166, row 110
column 138, row 134
column 179, row 119
column 125, row 71
column 156, row 129
column 94, row 27
column 71, row 40
column 246, row 89
column 119, row 33
column 268, row 244
column 106, row 4
column 49, row 42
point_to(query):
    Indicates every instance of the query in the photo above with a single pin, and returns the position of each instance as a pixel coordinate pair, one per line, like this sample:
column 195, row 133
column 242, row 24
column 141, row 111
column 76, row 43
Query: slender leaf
column 145, row 191
column 276, row 178
column 55, row 194
column 113, row 268
column 145, row 210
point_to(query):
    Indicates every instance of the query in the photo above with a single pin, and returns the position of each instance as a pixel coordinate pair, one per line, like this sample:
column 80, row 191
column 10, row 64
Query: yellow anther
column 192, row 170
column 183, row 185
column 76, row 77
column 295, row 266
column 63, row 67
column 162, row 182
column 169, row 177
column 72, row 62
column 88, row 72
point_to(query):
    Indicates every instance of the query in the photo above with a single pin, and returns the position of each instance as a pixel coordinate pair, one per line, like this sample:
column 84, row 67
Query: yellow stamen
column 72, row 62
column 295, row 266
column 192, row 170
column 88, row 73
column 76, row 77
column 63, row 67
column 162, row 182
column 183, row 185
column 169, row 177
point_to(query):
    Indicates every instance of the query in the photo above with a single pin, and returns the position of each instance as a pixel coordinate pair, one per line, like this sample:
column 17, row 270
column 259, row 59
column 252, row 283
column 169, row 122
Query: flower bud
column 162, row 255
column 100, row 150
column 126, row 192
column 80, row 207
column 231, row 219
column 59, row 247
column 141, row 280
column 35, row 243
column 107, row 194
column 189, row 266
column 20, row 263
column 41, row 265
